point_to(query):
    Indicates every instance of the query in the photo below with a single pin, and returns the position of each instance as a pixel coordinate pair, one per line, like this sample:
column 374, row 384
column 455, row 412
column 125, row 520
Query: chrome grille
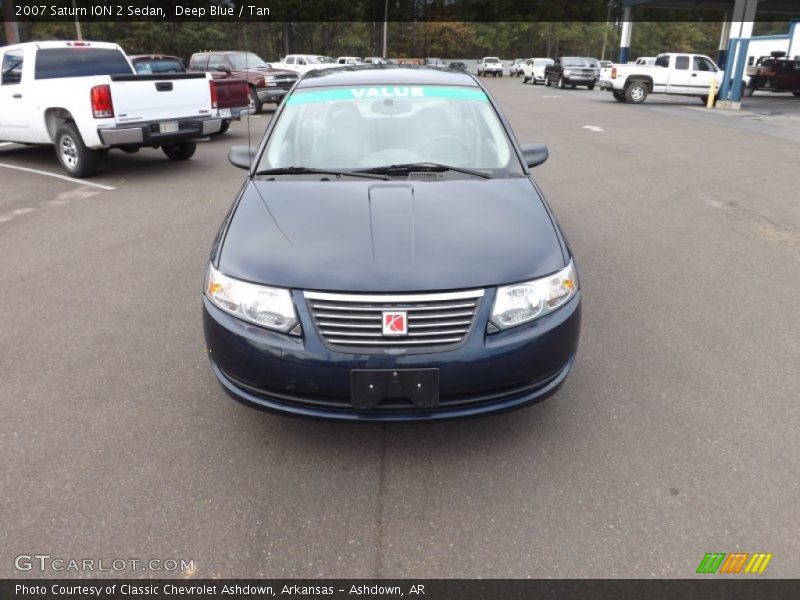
column 356, row 320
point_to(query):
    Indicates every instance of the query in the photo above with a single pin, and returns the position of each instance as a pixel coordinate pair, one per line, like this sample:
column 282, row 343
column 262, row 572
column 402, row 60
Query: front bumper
column 148, row 133
column 271, row 95
column 301, row 377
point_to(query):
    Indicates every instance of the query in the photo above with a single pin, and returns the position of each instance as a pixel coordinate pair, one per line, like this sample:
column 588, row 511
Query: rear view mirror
column 534, row 154
column 241, row 156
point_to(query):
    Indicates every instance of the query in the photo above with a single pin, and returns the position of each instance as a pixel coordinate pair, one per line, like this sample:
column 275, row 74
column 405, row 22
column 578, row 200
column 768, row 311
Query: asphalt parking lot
column 675, row 435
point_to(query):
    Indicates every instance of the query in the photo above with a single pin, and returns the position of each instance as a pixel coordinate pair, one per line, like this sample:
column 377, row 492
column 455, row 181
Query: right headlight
column 567, row 72
column 259, row 304
column 523, row 302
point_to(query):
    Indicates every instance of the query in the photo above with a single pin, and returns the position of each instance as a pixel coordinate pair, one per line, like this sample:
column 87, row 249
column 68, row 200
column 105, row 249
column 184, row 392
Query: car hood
column 375, row 236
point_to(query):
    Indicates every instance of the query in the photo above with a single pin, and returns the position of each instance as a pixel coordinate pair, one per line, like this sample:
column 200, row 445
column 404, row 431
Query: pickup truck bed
column 84, row 98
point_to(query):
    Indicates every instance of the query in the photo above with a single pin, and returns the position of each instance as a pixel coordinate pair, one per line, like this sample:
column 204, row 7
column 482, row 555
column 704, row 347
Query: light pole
column 77, row 22
column 385, row 25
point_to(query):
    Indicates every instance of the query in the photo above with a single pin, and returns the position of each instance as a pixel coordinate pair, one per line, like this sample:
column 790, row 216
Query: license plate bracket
column 168, row 127
column 368, row 387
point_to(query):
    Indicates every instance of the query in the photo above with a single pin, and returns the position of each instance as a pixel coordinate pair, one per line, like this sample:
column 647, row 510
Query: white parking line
column 593, row 128
column 57, row 176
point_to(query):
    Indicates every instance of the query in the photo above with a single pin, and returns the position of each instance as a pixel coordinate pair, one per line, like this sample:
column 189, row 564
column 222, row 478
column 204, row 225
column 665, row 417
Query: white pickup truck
column 672, row 73
column 85, row 97
column 303, row 63
column 490, row 65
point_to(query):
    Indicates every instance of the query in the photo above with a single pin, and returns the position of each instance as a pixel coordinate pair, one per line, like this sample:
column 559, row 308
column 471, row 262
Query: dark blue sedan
column 390, row 258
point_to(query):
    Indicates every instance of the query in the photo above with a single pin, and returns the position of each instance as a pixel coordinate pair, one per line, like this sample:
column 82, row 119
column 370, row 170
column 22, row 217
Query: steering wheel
column 449, row 141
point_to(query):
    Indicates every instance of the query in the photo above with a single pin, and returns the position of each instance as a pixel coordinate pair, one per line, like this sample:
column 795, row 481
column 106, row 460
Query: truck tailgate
column 139, row 98
column 232, row 93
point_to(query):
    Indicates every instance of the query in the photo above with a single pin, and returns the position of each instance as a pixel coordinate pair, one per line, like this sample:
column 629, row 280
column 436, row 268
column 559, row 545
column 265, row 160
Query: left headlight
column 523, row 302
column 259, row 304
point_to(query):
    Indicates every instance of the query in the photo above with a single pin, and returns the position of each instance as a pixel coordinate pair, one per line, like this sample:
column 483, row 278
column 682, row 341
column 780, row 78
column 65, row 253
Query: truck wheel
column 226, row 123
column 636, row 92
column 524, row 79
column 255, row 103
column 547, row 81
column 561, row 83
column 619, row 96
column 590, row 86
column 77, row 160
column 180, row 151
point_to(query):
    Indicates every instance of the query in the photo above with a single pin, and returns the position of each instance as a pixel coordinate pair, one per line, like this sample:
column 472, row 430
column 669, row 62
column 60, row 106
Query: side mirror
column 241, row 156
column 534, row 154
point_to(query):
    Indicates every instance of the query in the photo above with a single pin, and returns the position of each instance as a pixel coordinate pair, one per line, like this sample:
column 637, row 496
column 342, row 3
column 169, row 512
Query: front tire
column 76, row 159
column 255, row 103
column 180, row 151
column 590, row 86
column 619, row 96
column 561, row 84
column 636, row 92
column 547, row 81
column 525, row 79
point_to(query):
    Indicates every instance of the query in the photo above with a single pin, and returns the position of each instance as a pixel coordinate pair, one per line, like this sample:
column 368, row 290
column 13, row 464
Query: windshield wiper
column 310, row 171
column 425, row 166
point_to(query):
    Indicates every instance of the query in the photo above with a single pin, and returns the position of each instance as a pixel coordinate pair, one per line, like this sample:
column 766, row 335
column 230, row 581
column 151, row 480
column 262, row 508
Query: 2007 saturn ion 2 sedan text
column 390, row 258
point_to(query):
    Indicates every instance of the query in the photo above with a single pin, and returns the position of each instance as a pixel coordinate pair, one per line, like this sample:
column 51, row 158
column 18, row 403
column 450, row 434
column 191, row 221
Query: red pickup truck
column 266, row 84
column 232, row 94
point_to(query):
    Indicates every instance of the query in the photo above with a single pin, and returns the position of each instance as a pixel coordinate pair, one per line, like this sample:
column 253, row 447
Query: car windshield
column 542, row 61
column 574, row 62
column 242, row 60
column 364, row 127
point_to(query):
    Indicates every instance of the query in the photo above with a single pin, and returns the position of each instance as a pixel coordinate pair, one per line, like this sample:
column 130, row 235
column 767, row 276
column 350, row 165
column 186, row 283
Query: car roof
column 385, row 75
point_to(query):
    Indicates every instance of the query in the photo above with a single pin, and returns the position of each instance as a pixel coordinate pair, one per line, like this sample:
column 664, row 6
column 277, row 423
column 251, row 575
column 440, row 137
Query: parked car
column 384, row 263
column 435, row 62
column 569, row 71
column 490, row 65
column 349, row 60
column 457, row 66
column 85, row 97
column 515, row 70
column 303, row 63
column 265, row 83
column 231, row 96
column 594, row 65
column 787, row 76
column 378, row 60
column 672, row 73
column 533, row 69
column 774, row 73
